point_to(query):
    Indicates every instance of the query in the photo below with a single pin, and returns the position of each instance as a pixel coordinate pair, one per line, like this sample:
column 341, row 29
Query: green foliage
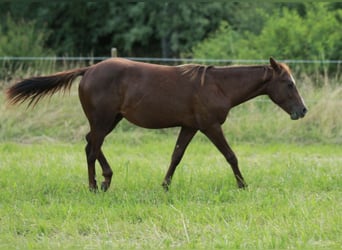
column 285, row 35
column 19, row 38
column 162, row 28
column 171, row 29
column 179, row 25
column 77, row 28
column 291, row 36
column 223, row 43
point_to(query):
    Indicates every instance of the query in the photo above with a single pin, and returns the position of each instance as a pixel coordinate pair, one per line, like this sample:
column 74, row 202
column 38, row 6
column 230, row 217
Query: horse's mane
column 193, row 71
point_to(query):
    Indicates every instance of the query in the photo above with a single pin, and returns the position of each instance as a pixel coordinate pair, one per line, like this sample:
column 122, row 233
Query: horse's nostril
column 305, row 111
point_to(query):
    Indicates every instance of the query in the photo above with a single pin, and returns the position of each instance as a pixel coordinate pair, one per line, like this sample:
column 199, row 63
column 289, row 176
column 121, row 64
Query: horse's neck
column 241, row 84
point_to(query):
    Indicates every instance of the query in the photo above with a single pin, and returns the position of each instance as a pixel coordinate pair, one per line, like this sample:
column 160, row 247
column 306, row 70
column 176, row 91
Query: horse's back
column 148, row 95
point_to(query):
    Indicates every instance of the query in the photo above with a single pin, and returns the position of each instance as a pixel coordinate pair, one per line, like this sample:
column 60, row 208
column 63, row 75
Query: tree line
column 171, row 29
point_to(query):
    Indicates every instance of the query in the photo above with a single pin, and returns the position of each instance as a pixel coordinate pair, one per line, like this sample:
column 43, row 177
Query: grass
column 294, row 199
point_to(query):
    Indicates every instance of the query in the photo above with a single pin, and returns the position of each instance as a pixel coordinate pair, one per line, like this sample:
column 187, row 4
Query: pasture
column 293, row 169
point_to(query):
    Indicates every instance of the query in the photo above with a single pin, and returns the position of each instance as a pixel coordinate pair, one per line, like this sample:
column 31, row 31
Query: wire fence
column 165, row 60
column 93, row 59
column 171, row 61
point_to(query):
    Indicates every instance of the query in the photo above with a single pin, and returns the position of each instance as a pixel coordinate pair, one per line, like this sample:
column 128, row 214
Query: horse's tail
column 33, row 89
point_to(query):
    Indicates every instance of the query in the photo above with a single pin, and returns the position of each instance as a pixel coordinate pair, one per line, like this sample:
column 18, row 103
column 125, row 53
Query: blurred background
column 218, row 30
column 39, row 38
column 162, row 29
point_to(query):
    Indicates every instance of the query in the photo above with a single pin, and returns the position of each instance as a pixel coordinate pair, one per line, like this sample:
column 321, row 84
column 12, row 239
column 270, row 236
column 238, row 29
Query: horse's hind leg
column 95, row 140
column 106, row 170
column 91, row 154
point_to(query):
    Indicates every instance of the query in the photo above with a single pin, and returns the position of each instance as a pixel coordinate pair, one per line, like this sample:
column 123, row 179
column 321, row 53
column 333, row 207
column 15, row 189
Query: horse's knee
column 87, row 137
column 91, row 155
column 91, row 152
column 87, row 149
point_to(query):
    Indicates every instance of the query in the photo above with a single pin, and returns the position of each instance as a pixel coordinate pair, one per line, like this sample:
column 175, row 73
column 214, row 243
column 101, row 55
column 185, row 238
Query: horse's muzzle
column 299, row 114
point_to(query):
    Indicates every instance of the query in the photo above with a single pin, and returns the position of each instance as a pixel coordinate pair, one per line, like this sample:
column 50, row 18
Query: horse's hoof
column 165, row 186
column 242, row 185
column 104, row 186
column 93, row 189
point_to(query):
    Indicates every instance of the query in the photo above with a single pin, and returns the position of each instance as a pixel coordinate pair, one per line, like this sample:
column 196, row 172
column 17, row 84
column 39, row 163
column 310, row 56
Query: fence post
column 114, row 52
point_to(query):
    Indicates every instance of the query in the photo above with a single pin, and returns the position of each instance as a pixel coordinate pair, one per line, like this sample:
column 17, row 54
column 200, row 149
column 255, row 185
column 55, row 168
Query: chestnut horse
column 193, row 97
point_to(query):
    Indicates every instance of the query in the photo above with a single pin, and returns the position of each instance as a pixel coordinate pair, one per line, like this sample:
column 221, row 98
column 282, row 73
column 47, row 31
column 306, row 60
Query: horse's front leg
column 184, row 138
column 216, row 136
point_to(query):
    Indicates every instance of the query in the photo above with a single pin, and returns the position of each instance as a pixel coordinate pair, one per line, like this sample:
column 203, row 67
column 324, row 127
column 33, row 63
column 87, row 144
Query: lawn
column 293, row 200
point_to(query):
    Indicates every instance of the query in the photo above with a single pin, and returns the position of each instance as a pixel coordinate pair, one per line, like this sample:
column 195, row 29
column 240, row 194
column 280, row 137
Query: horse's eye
column 290, row 85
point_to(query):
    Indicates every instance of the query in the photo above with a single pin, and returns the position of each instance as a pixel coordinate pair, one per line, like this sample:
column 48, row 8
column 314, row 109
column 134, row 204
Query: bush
column 223, row 43
column 285, row 35
column 19, row 39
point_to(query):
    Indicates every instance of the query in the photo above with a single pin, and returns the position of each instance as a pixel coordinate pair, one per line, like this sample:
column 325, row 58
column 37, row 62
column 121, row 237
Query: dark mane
column 193, row 71
column 284, row 67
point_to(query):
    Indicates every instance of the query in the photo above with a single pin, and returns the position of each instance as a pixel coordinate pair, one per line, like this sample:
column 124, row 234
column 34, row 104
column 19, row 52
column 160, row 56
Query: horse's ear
column 275, row 65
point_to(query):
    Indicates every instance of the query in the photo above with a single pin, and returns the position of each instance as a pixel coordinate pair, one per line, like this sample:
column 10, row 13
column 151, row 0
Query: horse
column 192, row 97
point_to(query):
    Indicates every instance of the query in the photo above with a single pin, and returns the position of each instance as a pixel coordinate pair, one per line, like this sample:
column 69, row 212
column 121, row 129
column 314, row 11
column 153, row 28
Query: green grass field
column 294, row 198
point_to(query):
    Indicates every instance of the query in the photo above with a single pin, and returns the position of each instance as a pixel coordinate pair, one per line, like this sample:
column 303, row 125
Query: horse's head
column 283, row 91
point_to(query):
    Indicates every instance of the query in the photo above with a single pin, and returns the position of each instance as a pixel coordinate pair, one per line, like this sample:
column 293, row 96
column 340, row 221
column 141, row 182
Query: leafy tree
column 159, row 28
column 171, row 29
column 221, row 44
column 292, row 36
column 137, row 29
column 286, row 34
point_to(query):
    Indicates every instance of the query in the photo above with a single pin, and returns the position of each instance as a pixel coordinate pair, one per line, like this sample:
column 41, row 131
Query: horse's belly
column 157, row 117
column 151, row 120
column 157, row 108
